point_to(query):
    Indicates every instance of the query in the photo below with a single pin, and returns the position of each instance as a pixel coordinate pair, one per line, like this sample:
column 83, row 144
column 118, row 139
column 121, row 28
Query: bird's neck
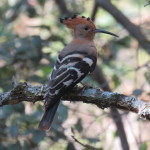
column 79, row 40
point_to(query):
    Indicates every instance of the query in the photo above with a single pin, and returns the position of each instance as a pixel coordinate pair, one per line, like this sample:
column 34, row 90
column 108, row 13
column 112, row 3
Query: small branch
column 85, row 145
column 25, row 92
column 95, row 9
column 63, row 7
column 133, row 29
column 147, row 4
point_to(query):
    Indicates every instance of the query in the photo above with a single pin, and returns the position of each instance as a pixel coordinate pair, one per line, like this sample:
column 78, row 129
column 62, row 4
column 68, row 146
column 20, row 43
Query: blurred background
column 31, row 37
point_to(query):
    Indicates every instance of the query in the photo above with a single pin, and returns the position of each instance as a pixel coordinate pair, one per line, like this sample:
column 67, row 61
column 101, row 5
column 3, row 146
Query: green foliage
column 116, row 80
column 143, row 146
column 147, row 76
column 79, row 125
column 70, row 146
column 30, row 40
column 137, row 92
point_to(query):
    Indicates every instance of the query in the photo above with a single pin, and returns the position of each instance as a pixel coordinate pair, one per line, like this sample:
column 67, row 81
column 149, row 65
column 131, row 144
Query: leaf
column 41, row 2
column 70, row 146
column 13, row 130
column 46, row 70
column 29, row 119
column 93, row 140
column 125, row 42
column 143, row 146
column 37, row 135
column 137, row 92
column 2, row 147
column 115, row 134
column 25, row 145
column 31, row 11
column 7, row 110
column 15, row 146
column 116, row 80
column 79, row 125
column 147, row 76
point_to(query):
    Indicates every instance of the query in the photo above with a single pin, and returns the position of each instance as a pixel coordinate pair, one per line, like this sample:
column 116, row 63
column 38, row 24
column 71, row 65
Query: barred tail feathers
column 48, row 117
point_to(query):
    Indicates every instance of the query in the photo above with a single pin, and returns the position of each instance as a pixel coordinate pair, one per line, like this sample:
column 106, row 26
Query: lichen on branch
column 103, row 99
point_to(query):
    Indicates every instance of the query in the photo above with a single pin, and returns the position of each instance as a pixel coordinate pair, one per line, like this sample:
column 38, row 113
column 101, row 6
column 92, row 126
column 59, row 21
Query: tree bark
column 24, row 92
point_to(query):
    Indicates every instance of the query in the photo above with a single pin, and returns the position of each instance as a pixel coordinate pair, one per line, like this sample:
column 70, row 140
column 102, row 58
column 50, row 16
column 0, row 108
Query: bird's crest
column 71, row 22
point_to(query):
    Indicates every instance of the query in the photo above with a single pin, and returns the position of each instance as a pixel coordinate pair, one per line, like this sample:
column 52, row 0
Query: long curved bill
column 104, row 31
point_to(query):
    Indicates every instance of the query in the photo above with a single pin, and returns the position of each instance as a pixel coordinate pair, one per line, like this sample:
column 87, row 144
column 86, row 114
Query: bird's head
column 83, row 27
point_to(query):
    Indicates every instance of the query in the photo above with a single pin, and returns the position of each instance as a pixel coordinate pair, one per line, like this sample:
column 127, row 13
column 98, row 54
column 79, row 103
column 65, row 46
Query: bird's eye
column 86, row 28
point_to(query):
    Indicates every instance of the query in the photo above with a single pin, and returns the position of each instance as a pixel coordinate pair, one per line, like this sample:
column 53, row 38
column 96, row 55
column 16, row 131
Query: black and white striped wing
column 67, row 72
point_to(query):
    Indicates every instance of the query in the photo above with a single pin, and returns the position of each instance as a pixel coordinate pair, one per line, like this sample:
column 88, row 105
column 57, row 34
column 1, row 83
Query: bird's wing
column 67, row 72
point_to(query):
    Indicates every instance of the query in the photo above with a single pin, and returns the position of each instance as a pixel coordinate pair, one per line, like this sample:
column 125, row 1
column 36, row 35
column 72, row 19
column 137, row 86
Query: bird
column 73, row 64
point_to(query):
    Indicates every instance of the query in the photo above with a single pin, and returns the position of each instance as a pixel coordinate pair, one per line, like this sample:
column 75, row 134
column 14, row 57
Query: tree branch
column 25, row 92
column 63, row 7
column 133, row 29
column 147, row 4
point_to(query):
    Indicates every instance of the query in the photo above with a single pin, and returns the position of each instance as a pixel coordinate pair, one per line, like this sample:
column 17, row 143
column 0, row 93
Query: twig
column 147, row 4
column 63, row 7
column 95, row 9
column 86, row 145
column 147, row 65
column 133, row 29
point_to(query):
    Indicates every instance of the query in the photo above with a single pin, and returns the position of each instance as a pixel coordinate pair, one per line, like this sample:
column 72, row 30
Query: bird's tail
column 48, row 117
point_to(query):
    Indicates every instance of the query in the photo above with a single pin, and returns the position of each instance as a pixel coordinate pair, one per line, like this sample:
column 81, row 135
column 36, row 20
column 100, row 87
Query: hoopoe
column 74, row 62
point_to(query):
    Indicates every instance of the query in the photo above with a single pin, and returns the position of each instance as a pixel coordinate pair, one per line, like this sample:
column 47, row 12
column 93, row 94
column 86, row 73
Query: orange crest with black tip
column 71, row 22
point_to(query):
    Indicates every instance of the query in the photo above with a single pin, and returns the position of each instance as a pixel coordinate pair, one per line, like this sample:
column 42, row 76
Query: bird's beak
column 104, row 31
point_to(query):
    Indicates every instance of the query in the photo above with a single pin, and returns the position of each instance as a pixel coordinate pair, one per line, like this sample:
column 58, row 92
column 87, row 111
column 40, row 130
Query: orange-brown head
column 83, row 27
